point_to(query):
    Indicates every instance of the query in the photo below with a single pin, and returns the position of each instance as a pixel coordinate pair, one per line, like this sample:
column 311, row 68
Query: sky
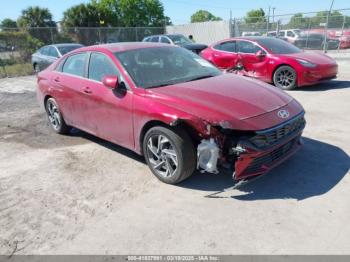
column 180, row 11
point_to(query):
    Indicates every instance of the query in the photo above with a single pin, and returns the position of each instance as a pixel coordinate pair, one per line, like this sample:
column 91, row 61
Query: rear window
column 278, row 46
column 66, row 49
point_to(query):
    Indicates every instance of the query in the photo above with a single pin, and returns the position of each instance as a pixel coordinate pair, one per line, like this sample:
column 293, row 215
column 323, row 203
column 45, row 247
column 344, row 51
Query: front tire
column 285, row 77
column 169, row 153
column 55, row 117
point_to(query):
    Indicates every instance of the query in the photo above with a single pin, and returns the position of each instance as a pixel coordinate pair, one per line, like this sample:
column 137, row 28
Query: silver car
column 48, row 54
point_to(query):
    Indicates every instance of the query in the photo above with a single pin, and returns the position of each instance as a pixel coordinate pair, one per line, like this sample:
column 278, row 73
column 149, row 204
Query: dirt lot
column 79, row 194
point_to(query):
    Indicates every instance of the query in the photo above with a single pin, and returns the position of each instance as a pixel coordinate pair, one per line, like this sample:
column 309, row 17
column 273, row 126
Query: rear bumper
column 254, row 162
column 320, row 74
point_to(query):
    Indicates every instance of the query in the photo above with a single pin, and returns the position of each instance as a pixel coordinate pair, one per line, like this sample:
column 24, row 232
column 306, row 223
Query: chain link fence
column 17, row 45
column 314, row 30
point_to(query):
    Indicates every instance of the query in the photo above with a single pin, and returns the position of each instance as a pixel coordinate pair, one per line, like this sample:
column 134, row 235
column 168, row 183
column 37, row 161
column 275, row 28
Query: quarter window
column 227, row 46
column 75, row 65
column 248, row 47
column 101, row 66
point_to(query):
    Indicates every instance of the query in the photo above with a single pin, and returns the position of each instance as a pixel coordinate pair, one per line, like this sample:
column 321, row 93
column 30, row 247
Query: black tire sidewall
column 63, row 129
column 184, row 150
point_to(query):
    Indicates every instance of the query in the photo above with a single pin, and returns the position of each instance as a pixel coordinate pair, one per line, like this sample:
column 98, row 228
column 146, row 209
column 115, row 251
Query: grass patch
column 16, row 70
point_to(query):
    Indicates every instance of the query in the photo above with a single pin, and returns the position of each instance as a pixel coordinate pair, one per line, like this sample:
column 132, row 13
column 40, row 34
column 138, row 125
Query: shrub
column 21, row 42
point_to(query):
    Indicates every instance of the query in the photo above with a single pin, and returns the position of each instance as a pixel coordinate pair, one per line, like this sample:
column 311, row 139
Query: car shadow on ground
column 111, row 146
column 334, row 84
column 312, row 171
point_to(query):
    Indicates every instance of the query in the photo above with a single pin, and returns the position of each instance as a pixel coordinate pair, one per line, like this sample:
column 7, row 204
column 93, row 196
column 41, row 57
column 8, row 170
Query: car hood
column 222, row 98
column 313, row 57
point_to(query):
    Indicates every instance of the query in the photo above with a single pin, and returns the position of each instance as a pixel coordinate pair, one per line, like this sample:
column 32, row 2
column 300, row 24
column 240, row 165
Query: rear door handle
column 87, row 90
column 57, row 79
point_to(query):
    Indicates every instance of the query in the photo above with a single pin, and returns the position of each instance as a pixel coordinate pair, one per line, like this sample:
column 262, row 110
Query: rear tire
column 55, row 117
column 36, row 68
column 285, row 77
column 169, row 153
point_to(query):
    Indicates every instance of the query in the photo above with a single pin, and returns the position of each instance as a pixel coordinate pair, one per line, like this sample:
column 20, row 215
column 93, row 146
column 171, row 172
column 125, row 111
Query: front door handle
column 57, row 79
column 87, row 90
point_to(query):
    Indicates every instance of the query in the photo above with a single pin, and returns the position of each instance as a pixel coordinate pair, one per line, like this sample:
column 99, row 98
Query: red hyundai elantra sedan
column 173, row 107
column 271, row 60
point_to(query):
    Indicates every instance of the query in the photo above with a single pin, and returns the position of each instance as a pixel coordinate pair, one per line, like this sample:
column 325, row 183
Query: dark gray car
column 315, row 41
column 176, row 39
column 48, row 54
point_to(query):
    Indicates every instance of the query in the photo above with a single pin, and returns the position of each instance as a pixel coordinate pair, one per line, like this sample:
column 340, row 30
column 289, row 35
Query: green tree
column 23, row 42
column 38, row 23
column 34, row 16
column 167, row 20
column 298, row 21
column 8, row 23
column 82, row 15
column 255, row 16
column 122, row 13
column 141, row 13
column 203, row 16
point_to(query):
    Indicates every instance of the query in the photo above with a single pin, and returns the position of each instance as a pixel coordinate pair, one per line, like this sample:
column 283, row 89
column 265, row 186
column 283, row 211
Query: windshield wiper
column 199, row 78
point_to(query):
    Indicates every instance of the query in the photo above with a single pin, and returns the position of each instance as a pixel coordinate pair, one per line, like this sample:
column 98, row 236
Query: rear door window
column 226, row 46
column 75, row 64
column 248, row 47
column 155, row 39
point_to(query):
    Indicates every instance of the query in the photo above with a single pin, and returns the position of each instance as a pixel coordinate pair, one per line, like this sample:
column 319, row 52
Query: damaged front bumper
column 254, row 162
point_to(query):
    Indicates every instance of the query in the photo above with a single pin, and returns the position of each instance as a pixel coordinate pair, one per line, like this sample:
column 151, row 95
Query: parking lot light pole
column 268, row 20
column 326, row 28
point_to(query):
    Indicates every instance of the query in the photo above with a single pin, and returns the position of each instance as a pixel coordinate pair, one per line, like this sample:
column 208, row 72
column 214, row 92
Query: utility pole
column 326, row 28
column 268, row 20
column 273, row 14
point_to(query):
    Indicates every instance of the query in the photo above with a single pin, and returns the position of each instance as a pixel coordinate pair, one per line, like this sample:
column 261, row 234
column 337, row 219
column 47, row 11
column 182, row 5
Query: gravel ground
column 79, row 194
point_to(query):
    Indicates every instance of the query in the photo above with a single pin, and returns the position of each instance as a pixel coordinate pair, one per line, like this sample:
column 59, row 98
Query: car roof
column 120, row 47
column 162, row 35
column 66, row 44
column 250, row 38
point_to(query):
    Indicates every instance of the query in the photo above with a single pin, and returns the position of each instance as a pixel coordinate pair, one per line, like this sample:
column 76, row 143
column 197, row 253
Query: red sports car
column 271, row 60
column 173, row 107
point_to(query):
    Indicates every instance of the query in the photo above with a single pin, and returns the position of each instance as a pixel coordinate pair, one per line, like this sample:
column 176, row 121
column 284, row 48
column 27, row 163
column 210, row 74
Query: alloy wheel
column 162, row 155
column 285, row 78
column 53, row 114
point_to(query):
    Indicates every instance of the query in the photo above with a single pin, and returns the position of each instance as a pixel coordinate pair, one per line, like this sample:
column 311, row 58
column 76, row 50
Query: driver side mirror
column 260, row 54
column 111, row 82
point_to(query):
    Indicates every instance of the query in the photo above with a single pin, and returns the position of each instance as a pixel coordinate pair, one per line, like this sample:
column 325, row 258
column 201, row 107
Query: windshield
column 179, row 39
column 161, row 66
column 278, row 46
column 67, row 48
